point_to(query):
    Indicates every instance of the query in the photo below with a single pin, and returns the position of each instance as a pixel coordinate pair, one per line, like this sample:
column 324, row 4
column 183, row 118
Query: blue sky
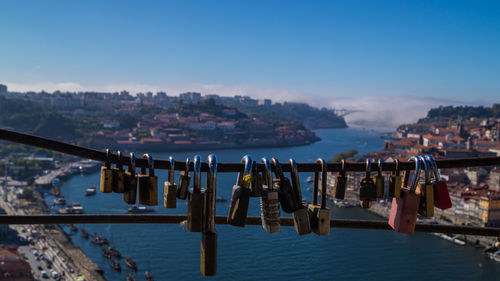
column 331, row 53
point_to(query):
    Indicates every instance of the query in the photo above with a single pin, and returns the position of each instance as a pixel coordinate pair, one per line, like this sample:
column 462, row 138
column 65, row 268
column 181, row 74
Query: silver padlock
column 301, row 221
column 269, row 201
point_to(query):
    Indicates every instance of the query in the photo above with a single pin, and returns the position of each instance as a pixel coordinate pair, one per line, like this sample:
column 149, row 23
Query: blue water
column 250, row 253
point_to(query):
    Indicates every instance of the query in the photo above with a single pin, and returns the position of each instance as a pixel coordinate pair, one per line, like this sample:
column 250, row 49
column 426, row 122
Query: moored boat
column 130, row 277
column 77, row 208
column 115, row 265
column 105, row 253
column 220, row 199
column 130, row 263
column 60, row 201
column 99, row 239
column 149, row 276
column 140, row 209
column 84, row 233
column 73, row 228
column 114, row 252
column 91, row 191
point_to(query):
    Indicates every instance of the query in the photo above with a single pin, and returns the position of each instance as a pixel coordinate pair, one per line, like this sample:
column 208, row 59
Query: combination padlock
column 240, row 197
column 106, row 185
column 340, row 183
column 367, row 189
column 288, row 199
column 184, row 180
column 442, row 198
column 130, row 194
column 269, row 201
column 119, row 175
column 319, row 215
column 170, row 188
column 196, row 199
column 380, row 181
column 404, row 209
column 208, row 248
column 426, row 206
column 301, row 221
column 148, row 183
column 395, row 182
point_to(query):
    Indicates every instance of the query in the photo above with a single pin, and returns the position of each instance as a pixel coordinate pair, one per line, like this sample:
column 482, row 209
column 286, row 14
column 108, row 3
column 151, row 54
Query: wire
column 175, row 219
column 97, row 155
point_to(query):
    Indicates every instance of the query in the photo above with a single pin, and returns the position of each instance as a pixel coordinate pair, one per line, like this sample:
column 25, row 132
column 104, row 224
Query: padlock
column 404, row 209
column 395, row 182
column 208, row 248
column 170, row 188
column 300, row 217
column 240, row 197
column 442, row 198
column 107, row 175
column 148, row 183
column 119, row 175
column 367, row 189
column 340, row 183
column 319, row 215
column 256, row 185
column 426, row 206
column 380, row 181
column 286, row 195
column 269, row 201
column 184, row 179
column 196, row 199
column 130, row 194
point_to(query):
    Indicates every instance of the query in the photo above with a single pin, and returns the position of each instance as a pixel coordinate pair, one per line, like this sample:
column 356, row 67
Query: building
column 12, row 266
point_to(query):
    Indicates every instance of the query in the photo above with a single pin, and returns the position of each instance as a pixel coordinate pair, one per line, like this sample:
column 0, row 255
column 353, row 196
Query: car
column 49, row 265
column 54, row 274
column 44, row 274
column 35, row 253
column 40, row 267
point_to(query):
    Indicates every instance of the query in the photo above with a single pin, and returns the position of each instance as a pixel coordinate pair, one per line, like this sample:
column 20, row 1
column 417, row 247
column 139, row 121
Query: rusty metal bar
column 97, row 155
column 174, row 219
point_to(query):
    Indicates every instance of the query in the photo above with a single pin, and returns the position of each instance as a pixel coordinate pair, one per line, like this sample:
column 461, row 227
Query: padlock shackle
column 187, row 167
column 433, row 165
column 151, row 165
column 171, row 171
column 368, row 166
column 379, row 162
column 131, row 166
column 427, row 173
column 268, row 175
column 324, row 178
column 294, row 175
column 416, row 174
column 277, row 169
column 342, row 169
column 209, row 224
column 397, row 172
column 107, row 163
column 197, row 174
column 247, row 160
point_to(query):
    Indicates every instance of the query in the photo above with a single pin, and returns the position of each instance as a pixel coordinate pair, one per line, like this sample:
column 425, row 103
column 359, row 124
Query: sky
column 393, row 60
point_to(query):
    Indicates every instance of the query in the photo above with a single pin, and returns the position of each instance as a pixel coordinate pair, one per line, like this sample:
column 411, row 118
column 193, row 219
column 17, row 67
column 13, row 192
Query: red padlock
column 404, row 210
column 442, row 198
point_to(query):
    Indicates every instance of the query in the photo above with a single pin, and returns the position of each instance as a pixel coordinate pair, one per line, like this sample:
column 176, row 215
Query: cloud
column 45, row 86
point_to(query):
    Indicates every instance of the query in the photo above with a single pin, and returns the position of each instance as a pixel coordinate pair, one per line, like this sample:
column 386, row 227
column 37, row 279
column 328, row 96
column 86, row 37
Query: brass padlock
column 395, row 182
column 380, row 181
column 240, row 197
column 426, row 206
column 148, row 183
column 196, row 199
column 170, row 188
column 301, row 221
column 269, row 201
column 107, row 175
column 184, row 179
column 130, row 194
column 208, row 248
column 288, row 199
column 367, row 189
column 319, row 215
column 340, row 183
column 119, row 175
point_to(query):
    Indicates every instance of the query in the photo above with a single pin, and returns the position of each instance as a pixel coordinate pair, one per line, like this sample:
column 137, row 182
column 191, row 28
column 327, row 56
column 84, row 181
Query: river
column 250, row 253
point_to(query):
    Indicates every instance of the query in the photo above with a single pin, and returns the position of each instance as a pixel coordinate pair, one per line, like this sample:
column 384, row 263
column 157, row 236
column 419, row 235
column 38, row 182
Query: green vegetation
column 460, row 112
column 344, row 155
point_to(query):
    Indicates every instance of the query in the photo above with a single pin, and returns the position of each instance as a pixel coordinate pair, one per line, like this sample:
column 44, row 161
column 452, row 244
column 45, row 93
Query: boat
column 115, row 265
column 114, row 252
column 140, row 209
column 130, row 277
column 149, row 276
column 494, row 256
column 130, row 263
column 73, row 228
column 84, row 233
column 342, row 204
column 309, row 189
column 105, row 253
column 220, row 199
column 76, row 208
column 60, row 201
column 91, row 191
column 64, row 211
column 309, row 179
column 99, row 239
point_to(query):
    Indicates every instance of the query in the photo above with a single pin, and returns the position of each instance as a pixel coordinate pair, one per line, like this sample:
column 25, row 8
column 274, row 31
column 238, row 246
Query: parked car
column 44, row 274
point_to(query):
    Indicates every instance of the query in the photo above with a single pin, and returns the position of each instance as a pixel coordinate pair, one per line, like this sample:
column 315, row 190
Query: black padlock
column 269, row 202
column 184, row 179
column 240, row 197
column 287, row 197
column 256, row 185
column 301, row 221
column 208, row 248
column 196, row 199
column 130, row 194
column 367, row 190
column 340, row 183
